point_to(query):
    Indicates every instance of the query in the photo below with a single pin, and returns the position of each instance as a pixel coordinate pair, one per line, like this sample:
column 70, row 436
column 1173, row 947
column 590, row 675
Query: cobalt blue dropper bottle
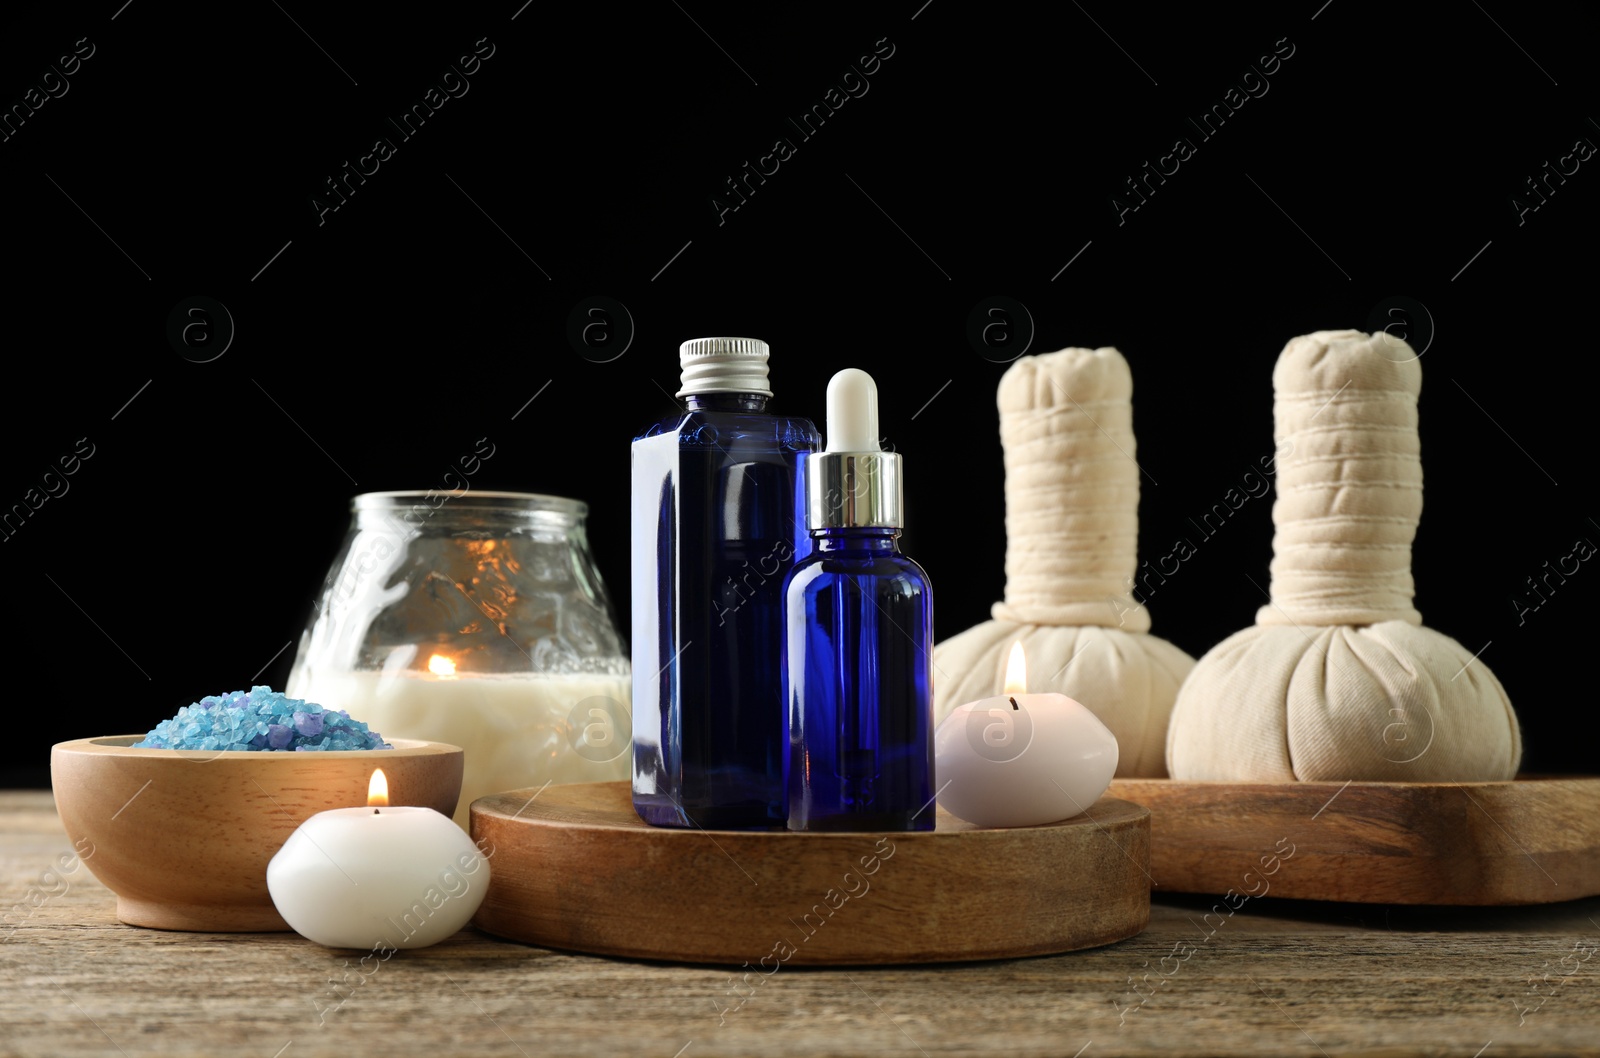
column 859, row 627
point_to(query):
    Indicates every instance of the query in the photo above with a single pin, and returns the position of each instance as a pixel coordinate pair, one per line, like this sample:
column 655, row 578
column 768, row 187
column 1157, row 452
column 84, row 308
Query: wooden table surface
column 1275, row 978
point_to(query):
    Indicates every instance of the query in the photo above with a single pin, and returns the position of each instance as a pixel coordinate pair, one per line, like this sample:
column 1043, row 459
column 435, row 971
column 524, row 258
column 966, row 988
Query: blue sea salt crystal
column 260, row 719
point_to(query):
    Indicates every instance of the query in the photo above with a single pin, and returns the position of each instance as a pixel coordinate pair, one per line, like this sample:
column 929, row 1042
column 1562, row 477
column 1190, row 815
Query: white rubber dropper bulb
column 852, row 412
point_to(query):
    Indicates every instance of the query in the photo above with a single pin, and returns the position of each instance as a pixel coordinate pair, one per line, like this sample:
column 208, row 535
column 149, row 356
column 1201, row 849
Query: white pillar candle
column 378, row 876
column 1018, row 759
column 516, row 731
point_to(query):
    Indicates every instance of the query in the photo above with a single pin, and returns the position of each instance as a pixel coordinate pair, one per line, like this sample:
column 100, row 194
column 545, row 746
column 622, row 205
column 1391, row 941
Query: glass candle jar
column 478, row 619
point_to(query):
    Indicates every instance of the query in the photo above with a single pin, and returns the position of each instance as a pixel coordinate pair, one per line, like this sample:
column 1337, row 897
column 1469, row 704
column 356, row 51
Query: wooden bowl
column 183, row 836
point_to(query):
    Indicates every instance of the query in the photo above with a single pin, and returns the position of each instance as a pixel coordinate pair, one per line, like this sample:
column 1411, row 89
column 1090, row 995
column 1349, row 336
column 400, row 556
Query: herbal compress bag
column 1339, row 679
column 1072, row 528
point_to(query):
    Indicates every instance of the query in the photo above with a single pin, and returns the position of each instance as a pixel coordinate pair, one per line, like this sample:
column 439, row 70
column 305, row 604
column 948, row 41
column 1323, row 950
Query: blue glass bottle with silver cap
column 858, row 662
column 717, row 525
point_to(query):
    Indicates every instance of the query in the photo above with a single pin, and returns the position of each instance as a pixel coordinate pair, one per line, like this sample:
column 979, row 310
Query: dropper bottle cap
column 853, row 483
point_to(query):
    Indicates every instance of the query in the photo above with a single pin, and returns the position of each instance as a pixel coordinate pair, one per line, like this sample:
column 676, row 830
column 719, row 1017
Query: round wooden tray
column 574, row 868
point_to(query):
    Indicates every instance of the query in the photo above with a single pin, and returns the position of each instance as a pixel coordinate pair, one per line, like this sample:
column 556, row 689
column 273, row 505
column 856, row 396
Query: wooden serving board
column 1532, row 841
column 574, row 868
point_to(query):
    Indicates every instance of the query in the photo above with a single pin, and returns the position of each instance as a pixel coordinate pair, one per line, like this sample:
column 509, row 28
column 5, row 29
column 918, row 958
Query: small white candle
column 1018, row 760
column 363, row 877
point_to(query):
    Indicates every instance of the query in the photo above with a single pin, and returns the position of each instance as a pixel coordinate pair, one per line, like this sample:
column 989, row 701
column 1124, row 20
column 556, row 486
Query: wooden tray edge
column 1532, row 840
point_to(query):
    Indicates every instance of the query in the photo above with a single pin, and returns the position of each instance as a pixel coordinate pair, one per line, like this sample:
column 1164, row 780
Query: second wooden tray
column 574, row 868
column 1532, row 841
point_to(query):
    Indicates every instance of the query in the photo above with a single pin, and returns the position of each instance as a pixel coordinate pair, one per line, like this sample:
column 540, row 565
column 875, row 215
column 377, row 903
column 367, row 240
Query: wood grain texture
column 574, row 868
column 1274, row 978
column 1532, row 841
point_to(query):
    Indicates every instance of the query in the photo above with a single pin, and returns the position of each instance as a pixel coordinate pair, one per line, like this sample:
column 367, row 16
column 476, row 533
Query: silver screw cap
column 724, row 365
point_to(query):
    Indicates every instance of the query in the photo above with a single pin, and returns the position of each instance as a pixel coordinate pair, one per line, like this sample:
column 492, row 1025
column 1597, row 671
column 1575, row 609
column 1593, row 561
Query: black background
column 379, row 346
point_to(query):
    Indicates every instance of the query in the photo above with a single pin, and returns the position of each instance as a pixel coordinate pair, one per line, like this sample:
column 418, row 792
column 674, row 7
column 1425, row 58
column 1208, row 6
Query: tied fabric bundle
column 1338, row 679
column 1072, row 528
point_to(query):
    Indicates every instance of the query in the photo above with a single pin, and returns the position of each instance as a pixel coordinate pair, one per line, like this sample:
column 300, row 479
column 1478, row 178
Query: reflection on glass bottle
column 716, row 492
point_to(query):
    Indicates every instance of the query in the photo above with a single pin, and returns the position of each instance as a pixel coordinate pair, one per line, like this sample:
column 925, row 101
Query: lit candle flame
column 378, row 790
column 440, row 665
column 1016, row 671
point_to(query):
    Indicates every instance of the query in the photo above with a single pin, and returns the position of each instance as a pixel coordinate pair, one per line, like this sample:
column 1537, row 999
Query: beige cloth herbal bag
column 1339, row 679
column 1072, row 528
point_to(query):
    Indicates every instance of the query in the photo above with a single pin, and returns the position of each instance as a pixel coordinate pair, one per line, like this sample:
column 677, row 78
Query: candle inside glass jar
column 516, row 730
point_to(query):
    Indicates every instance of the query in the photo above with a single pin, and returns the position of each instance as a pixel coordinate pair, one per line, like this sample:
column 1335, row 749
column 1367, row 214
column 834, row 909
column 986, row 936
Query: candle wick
column 374, row 811
column 1014, row 703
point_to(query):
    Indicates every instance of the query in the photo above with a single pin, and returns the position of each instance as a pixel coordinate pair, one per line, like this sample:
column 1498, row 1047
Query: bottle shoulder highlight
column 701, row 427
column 892, row 570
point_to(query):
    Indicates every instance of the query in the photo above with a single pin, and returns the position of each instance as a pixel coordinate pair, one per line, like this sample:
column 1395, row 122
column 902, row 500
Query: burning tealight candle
column 402, row 877
column 1018, row 759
